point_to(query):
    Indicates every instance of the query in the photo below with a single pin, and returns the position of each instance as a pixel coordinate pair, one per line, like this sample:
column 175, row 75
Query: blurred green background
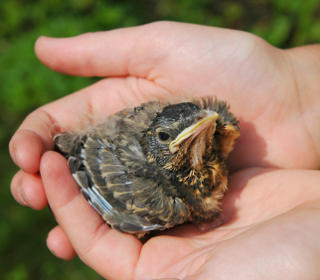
column 25, row 84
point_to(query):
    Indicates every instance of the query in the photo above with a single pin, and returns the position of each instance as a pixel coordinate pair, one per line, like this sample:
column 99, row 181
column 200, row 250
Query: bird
column 154, row 166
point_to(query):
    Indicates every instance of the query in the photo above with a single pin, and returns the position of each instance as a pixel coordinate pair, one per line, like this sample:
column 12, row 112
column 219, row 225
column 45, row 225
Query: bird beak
column 193, row 130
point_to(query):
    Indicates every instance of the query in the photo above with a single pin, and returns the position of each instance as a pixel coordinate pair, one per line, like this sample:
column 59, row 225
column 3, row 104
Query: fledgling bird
column 154, row 166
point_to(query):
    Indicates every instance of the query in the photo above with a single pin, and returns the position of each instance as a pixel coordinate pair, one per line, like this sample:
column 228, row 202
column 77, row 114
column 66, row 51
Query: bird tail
column 68, row 143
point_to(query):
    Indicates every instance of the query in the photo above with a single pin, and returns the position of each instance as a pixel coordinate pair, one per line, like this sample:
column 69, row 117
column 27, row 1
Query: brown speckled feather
column 126, row 170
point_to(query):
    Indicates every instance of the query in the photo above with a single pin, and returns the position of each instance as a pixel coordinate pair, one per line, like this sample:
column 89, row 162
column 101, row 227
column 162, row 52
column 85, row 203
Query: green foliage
column 26, row 84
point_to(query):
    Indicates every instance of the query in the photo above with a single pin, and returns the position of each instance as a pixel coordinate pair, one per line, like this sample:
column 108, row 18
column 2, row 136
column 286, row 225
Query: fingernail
column 41, row 38
column 44, row 37
column 22, row 197
column 12, row 150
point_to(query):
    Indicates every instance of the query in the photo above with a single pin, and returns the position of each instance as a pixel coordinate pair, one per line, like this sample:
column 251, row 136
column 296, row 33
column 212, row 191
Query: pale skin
column 272, row 210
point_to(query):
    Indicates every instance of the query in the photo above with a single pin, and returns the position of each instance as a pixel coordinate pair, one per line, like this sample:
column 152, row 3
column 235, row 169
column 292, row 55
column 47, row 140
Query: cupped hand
column 267, row 210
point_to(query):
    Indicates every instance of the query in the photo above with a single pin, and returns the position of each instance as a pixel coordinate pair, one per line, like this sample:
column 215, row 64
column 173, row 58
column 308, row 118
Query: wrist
column 305, row 65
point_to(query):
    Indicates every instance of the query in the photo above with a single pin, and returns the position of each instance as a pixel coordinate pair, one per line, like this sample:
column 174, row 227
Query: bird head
column 185, row 135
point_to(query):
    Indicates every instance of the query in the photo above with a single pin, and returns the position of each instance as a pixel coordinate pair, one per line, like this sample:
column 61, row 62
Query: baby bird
column 154, row 166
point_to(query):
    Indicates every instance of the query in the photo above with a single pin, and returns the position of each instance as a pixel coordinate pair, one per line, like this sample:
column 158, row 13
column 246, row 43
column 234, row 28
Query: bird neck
column 202, row 189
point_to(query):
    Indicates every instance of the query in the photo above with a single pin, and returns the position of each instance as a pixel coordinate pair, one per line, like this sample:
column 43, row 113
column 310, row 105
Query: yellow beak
column 193, row 130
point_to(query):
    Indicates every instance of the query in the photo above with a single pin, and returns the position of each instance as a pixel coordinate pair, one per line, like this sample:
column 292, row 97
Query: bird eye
column 163, row 136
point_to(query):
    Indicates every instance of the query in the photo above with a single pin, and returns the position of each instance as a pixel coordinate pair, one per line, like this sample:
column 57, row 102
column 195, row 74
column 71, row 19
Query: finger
column 27, row 189
column 33, row 137
column 21, row 142
column 95, row 243
column 59, row 244
column 271, row 192
column 108, row 53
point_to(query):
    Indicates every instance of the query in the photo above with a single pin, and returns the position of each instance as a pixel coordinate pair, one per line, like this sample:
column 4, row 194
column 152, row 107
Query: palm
column 166, row 64
column 262, row 215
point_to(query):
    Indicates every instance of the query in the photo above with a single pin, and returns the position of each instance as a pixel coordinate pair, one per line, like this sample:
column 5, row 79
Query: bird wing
column 128, row 201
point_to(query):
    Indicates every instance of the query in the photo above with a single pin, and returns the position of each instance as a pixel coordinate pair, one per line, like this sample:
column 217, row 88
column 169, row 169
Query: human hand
column 170, row 61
